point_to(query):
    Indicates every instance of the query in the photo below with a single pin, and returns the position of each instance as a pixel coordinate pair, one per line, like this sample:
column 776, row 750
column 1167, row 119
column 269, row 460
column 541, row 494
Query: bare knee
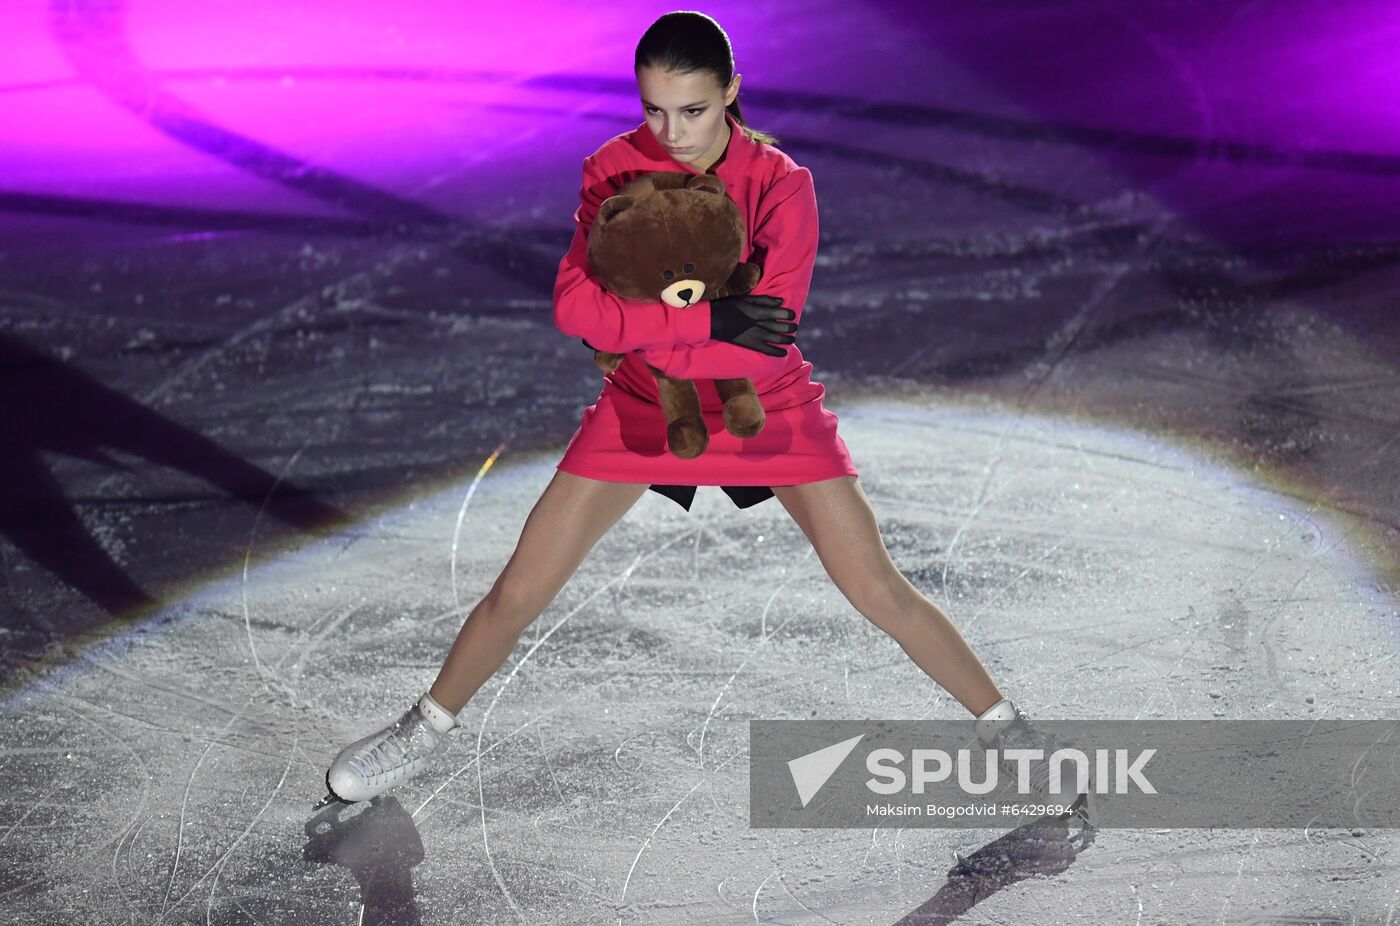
column 510, row 605
column 884, row 598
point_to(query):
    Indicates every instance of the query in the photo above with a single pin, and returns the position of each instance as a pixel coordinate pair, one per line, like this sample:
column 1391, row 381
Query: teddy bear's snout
column 683, row 293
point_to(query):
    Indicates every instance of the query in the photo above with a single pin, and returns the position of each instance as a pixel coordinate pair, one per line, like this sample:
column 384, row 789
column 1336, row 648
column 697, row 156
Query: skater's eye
column 689, row 268
column 668, row 274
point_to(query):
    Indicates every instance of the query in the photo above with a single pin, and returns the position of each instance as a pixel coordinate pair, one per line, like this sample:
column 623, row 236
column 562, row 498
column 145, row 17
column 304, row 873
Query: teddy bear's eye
column 669, row 274
column 689, row 268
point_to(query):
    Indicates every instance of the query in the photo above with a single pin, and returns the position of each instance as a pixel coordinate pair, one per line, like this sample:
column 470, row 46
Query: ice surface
column 602, row 773
column 1104, row 301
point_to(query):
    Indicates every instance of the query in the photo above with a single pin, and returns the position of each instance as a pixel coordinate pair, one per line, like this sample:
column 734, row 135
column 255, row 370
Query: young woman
column 685, row 74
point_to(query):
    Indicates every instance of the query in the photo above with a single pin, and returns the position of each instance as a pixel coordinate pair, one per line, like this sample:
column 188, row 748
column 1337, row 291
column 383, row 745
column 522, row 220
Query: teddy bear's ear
column 659, row 180
column 612, row 206
column 708, row 183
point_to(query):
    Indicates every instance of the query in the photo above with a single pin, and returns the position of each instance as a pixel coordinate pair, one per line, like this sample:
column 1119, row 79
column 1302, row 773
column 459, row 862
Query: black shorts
column 742, row 496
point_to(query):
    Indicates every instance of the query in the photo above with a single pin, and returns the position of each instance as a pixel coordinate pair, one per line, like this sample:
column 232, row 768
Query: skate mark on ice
column 782, row 881
column 1239, row 873
column 306, row 640
column 549, row 767
column 149, row 684
column 32, row 807
column 472, row 762
column 130, row 871
column 753, row 908
column 481, row 732
column 1240, row 588
column 763, row 638
column 180, row 829
column 1057, row 348
column 462, row 513
column 223, row 859
column 622, row 895
column 243, row 585
column 51, row 871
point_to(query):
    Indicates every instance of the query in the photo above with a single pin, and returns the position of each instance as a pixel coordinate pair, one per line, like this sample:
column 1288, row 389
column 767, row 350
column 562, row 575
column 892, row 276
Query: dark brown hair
column 686, row 41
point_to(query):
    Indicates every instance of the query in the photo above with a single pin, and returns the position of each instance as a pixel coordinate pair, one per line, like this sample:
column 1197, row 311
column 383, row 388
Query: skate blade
column 1086, row 809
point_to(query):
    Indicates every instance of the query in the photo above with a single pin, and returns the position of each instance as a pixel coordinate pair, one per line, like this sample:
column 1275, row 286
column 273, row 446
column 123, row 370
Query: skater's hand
column 753, row 322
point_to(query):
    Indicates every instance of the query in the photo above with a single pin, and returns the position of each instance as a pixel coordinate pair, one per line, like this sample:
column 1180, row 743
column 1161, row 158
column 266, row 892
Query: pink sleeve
column 583, row 309
column 785, row 246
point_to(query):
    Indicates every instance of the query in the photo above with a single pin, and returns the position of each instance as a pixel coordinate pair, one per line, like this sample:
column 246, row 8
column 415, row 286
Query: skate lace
column 406, row 740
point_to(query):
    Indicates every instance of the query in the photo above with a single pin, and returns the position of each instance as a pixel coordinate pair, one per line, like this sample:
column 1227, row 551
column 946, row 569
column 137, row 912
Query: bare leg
column 571, row 516
column 836, row 516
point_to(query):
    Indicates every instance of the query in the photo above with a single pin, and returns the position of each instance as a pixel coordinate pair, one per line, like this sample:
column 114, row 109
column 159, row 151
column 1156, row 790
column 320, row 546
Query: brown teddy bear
column 676, row 238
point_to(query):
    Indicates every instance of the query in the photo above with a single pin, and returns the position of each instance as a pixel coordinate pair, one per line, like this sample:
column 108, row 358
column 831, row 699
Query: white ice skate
column 382, row 760
column 1005, row 726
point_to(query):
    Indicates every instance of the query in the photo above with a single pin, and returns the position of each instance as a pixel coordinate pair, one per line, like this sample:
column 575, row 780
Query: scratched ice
column 603, row 773
column 1105, row 303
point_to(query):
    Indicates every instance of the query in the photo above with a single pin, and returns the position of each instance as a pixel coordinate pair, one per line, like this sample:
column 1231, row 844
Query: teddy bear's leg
column 743, row 414
column 605, row 361
column 686, row 433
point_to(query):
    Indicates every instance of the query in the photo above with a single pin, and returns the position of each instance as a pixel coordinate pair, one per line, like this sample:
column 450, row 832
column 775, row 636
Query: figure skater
column 684, row 68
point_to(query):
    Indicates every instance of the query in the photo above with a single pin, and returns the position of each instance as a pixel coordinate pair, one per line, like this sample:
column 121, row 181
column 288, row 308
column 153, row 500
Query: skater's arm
column 785, row 246
column 583, row 309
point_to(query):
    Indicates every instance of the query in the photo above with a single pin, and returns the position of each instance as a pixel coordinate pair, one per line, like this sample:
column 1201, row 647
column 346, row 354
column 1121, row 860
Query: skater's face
column 686, row 113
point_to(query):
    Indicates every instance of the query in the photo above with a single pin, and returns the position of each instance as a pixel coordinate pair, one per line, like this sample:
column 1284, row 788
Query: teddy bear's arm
column 583, row 309
column 744, row 278
column 785, row 245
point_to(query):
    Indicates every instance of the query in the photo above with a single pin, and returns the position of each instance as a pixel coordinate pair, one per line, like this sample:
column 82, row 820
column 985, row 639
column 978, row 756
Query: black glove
column 753, row 322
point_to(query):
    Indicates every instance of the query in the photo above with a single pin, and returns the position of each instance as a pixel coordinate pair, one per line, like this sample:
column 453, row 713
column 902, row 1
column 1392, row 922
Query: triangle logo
column 811, row 771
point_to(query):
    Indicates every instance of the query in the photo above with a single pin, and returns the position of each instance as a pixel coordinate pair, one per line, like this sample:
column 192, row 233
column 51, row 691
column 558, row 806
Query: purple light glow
column 1271, row 123
column 1262, row 123
column 235, row 105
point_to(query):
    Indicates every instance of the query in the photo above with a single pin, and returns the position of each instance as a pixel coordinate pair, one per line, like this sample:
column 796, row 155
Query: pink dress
column 622, row 437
